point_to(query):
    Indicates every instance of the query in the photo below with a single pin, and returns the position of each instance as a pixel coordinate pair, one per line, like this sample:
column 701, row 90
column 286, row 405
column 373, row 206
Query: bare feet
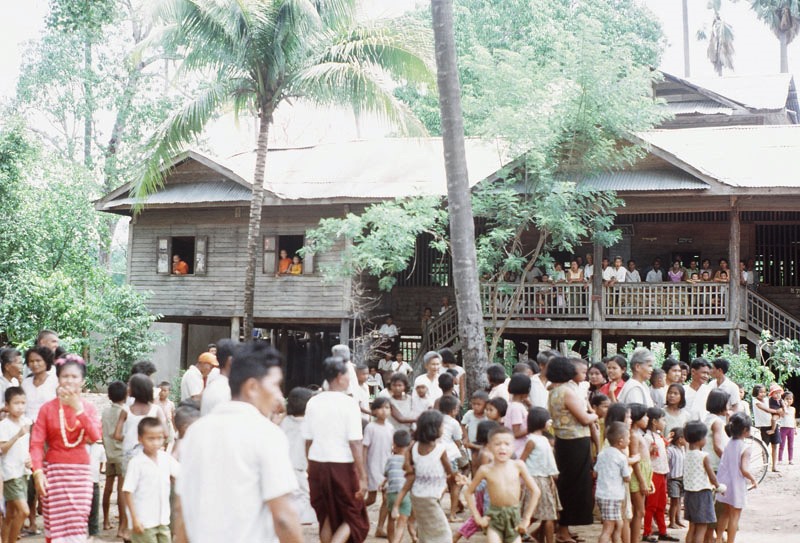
column 381, row 534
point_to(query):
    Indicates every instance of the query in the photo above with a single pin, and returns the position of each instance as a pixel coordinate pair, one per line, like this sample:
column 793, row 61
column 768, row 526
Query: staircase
column 440, row 333
column 762, row 314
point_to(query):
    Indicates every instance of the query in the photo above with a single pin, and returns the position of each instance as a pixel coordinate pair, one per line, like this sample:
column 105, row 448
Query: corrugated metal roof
column 739, row 156
column 702, row 107
column 191, row 193
column 644, row 181
column 768, row 92
column 383, row 168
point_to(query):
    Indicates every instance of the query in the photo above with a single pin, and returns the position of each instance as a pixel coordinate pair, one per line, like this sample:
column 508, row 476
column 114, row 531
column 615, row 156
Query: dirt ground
column 771, row 515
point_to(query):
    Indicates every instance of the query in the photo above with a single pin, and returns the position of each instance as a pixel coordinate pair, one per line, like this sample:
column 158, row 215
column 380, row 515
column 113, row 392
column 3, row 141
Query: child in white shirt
column 14, row 445
column 613, row 473
column 147, row 484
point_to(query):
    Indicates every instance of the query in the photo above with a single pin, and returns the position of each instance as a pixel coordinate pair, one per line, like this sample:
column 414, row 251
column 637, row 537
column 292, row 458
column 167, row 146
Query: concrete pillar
column 235, row 329
column 597, row 345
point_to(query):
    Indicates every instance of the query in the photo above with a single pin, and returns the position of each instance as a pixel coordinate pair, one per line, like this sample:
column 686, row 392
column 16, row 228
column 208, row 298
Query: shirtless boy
column 502, row 521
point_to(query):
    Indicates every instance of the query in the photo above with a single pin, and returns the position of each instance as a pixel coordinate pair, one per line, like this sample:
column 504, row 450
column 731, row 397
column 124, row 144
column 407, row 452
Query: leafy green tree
column 783, row 18
column 260, row 54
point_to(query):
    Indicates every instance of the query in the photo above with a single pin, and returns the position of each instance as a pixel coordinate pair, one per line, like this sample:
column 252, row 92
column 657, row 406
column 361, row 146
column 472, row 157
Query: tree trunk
column 784, row 53
column 254, row 228
column 462, row 227
column 687, row 72
column 88, row 103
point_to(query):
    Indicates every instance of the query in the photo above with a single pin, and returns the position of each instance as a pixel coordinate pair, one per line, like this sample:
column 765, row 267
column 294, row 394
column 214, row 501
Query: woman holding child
column 62, row 475
column 573, row 448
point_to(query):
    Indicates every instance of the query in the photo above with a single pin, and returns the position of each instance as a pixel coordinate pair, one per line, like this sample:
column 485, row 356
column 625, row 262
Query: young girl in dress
column 428, row 472
column 788, row 427
column 674, row 411
column 377, row 443
column 541, row 463
column 734, row 474
column 641, row 481
column 698, row 480
column 402, row 416
column 656, row 503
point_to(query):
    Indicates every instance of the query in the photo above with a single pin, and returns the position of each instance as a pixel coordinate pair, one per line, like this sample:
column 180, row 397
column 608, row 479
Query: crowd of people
column 551, row 447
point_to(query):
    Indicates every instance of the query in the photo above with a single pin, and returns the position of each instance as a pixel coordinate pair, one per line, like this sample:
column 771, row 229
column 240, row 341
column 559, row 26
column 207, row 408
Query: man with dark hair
column 538, row 395
column 238, row 456
column 697, row 391
column 336, row 474
column 719, row 379
column 143, row 367
column 219, row 391
column 47, row 338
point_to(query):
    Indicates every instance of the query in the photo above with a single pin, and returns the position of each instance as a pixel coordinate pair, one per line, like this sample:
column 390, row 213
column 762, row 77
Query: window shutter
column 163, row 264
column 270, row 264
column 200, row 252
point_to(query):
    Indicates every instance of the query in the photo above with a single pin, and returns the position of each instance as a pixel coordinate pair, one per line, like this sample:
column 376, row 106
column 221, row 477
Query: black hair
column 446, row 382
column 685, row 367
column 677, row 434
column 496, row 374
column 682, row 391
column 165, row 384
column 225, row 350
column 653, row 414
column 657, row 374
column 599, row 366
column 185, row 415
column 721, row 364
column 521, row 367
column 252, row 360
column 617, row 412
column 544, row 358
column 560, row 370
column 296, row 401
column 452, row 371
column 638, row 411
column 401, row 438
column 362, row 367
column 44, row 352
column 615, row 431
column 482, row 433
column 148, row 423
column 717, row 402
column 757, row 390
column 499, row 429
column 534, row 367
column 787, row 394
column 597, row 399
column 12, row 392
column 694, row 431
column 211, row 346
column 480, row 395
column 447, row 356
column 333, row 367
column 7, row 356
column 447, row 404
column 399, row 376
column 738, row 425
column 500, row 404
column 143, row 367
column 519, row 384
column 668, row 363
column 429, row 426
column 537, row 419
column 378, row 402
column 117, row 391
column 700, row 362
column 141, row 388
column 70, row 360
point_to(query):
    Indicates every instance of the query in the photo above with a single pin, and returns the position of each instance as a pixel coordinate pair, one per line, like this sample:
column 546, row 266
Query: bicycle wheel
column 759, row 458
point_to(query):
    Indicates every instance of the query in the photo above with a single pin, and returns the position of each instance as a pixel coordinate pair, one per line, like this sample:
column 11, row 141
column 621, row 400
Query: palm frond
column 180, row 129
column 357, row 86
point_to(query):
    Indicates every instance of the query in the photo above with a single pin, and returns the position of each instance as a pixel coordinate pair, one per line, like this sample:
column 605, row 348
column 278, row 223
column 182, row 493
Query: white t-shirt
column 655, row 276
column 389, row 330
column 761, row 418
column 611, row 468
column 402, row 367
column 148, row 481
column 36, row 397
column 217, row 392
column 538, row 394
column 731, row 388
column 696, row 401
column 611, row 273
column 635, row 392
column 97, row 455
column 633, row 276
column 237, row 459
column 501, row 391
column 4, row 385
column 14, row 460
column 332, row 421
column 191, row 383
column 588, row 271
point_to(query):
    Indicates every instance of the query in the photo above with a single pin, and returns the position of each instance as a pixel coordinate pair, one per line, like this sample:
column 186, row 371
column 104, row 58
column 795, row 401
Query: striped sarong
column 69, row 499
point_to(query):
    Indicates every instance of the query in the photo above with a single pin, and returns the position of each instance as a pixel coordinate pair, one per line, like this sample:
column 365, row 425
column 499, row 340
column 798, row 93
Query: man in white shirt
column 632, row 274
column 539, row 394
column 656, row 274
column 697, row 391
column 588, row 269
column 635, row 390
column 720, row 380
column 343, row 352
column 336, row 474
column 614, row 274
column 236, row 456
column 219, row 390
column 194, row 380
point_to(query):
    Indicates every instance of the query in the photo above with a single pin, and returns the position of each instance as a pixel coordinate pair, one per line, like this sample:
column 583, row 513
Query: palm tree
column 783, row 18
column 459, row 204
column 257, row 54
column 687, row 72
column 720, row 45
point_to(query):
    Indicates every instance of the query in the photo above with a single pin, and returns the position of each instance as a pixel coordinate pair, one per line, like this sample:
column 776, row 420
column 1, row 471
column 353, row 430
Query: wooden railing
column 666, row 301
column 764, row 315
column 536, row 301
column 441, row 332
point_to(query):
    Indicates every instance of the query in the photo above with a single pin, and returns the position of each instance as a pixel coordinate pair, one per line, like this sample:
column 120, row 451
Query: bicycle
column 759, row 456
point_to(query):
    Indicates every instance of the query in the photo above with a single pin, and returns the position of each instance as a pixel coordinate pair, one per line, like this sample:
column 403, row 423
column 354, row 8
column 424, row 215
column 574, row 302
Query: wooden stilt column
column 597, row 304
column 735, row 299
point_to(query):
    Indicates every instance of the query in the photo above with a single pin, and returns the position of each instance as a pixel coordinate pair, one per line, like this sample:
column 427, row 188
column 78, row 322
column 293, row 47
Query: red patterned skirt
column 66, row 506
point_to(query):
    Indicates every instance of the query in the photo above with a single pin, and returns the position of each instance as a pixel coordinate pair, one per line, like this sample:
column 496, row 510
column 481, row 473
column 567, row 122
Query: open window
column 279, row 253
column 191, row 253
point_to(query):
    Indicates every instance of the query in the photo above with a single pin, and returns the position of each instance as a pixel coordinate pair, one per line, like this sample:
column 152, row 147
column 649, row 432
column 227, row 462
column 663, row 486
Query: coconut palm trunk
column 782, row 37
column 462, row 227
column 687, row 70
